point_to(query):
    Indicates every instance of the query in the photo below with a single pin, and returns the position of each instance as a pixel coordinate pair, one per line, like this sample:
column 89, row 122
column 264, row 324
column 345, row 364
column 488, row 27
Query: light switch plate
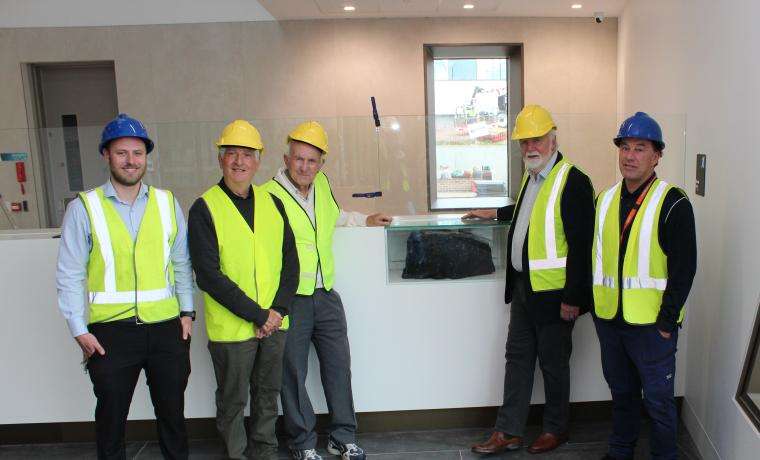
column 701, row 174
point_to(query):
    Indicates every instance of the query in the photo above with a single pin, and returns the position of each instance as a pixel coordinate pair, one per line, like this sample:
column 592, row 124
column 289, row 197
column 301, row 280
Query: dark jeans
column 552, row 344
column 318, row 319
column 158, row 349
column 636, row 358
column 252, row 367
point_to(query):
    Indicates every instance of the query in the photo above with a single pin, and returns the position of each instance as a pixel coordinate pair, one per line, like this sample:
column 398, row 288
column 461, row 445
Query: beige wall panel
column 133, row 46
column 12, row 110
column 64, row 44
column 197, row 72
column 43, row 45
column 176, row 77
column 381, row 59
column 289, row 69
column 90, row 44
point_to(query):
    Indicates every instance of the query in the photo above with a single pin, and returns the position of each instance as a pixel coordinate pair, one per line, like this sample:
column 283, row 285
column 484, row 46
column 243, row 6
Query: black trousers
column 130, row 347
column 552, row 344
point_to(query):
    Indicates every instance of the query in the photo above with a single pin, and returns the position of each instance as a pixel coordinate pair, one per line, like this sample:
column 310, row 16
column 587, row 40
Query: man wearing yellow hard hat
column 317, row 313
column 246, row 264
column 548, row 282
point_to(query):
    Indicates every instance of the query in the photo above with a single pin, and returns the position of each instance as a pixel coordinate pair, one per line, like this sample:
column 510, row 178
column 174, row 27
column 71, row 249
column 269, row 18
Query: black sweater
column 577, row 210
column 204, row 251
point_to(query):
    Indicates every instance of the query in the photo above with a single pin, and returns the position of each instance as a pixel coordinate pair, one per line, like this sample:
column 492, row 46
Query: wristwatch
column 191, row 314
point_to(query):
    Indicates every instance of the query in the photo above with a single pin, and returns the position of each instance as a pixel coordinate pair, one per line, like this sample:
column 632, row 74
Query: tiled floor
column 587, row 441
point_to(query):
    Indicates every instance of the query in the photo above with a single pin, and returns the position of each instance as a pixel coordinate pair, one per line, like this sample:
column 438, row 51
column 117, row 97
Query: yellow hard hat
column 532, row 121
column 242, row 134
column 312, row 133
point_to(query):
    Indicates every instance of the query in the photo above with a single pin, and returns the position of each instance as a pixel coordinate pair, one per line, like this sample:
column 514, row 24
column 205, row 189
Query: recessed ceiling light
column 349, row 8
column 576, row 6
column 468, row 6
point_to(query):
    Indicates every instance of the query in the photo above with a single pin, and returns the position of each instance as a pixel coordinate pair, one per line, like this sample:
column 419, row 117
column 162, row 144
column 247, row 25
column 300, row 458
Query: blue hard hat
column 124, row 126
column 641, row 126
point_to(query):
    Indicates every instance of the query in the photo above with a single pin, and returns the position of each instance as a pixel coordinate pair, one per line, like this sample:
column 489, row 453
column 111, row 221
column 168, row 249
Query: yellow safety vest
column 547, row 245
column 252, row 260
column 125, row 277
column 645, row 267
column 314, row 243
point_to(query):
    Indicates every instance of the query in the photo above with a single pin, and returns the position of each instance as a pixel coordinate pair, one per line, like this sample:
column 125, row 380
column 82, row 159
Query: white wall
column 408, row 347
column 698, row 57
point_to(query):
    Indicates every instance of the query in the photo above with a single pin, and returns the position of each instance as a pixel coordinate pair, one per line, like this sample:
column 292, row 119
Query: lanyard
column 635, row 208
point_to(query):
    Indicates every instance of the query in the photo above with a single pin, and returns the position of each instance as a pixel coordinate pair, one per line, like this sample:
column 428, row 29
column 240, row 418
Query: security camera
column 599, row 17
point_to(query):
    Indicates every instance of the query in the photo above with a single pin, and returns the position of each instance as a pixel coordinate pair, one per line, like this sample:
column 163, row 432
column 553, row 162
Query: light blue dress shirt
column 526, row 208
column 76, row 244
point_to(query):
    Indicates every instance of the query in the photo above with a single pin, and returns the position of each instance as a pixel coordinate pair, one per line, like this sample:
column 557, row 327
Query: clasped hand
column 274, row 322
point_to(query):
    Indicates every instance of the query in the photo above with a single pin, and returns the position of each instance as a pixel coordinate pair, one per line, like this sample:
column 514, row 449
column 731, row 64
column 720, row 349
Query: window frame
column 513, row 52
column 750, row 362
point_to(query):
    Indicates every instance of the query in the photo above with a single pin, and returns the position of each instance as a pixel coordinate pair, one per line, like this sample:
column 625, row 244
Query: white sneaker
column 307, row 454
column 345, row 451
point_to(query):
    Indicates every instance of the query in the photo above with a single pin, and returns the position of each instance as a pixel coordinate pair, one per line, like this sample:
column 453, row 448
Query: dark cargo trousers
column 321, row 320
column 637, row 361
column 254, row 368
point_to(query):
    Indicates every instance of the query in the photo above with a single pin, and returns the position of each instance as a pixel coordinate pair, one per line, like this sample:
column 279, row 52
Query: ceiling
column 74, row 13
column 322, row 9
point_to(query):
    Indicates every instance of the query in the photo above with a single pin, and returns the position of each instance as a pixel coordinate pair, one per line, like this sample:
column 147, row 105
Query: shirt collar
column 110, row 191
column 284, row 180
column 544, row 173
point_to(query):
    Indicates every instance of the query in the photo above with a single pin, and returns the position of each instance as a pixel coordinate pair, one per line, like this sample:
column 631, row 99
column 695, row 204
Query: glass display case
column 445, row 247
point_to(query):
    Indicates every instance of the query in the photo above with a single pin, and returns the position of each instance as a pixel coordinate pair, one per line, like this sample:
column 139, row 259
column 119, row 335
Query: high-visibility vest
column 645, row 266
column 314, row 243
column 547, row 245
column 250, row 259
column 128, row 277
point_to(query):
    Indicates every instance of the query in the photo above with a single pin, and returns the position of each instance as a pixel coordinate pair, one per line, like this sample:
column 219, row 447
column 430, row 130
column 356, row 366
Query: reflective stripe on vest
column 313, row 243
column 644, row 274
column 134, row 282
column 547, row 245
column 252, row 260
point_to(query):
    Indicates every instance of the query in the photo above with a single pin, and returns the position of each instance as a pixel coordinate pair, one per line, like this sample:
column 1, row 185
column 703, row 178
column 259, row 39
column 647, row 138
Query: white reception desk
column 420, row 345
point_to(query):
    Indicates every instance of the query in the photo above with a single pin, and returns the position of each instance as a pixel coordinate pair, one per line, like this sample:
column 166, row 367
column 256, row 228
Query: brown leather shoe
column 498, row 442
column 547, row 442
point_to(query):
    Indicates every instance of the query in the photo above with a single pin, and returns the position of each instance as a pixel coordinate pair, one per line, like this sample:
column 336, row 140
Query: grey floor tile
column 448, row 455
column 587, row 441
column 200, row 449
column 567, row 451
column 75, row 450
column 206, row 449
column 420, row 441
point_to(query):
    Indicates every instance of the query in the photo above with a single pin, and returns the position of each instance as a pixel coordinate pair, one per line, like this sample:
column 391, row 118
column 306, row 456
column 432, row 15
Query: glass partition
column 371, row 169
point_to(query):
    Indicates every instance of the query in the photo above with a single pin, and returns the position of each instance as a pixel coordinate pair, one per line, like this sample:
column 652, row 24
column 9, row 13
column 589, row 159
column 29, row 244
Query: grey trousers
column 252, row 367
column 527, row 340
column 318, row 319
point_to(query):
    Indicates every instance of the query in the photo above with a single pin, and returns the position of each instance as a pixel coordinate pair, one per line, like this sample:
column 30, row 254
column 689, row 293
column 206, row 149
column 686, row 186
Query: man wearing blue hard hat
column 125, row 244
column 643, row 261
